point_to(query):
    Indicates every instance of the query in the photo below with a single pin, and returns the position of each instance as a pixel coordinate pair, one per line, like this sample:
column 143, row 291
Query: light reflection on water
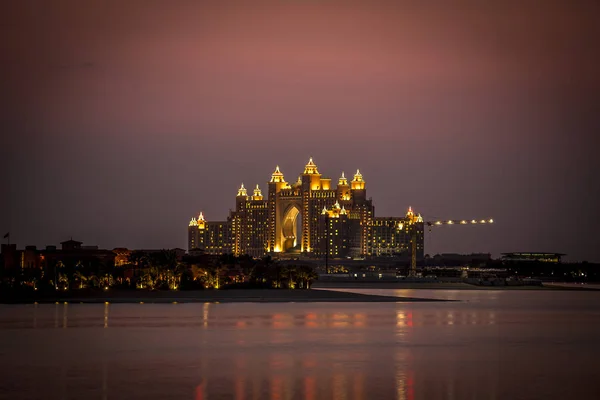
column 493, row 345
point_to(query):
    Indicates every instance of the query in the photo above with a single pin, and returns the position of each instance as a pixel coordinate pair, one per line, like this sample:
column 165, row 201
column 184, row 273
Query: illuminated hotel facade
column 309, row 217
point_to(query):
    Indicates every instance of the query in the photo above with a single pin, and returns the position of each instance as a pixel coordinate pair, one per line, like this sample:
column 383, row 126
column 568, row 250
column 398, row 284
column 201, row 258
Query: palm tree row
column 164, row 271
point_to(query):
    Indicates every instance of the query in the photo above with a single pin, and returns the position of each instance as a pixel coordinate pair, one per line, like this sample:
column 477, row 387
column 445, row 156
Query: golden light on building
column 343, row 181
column 358, row 182
column 308, row 216
column 242, row 191
column 310, row 168
column 277, row 176
column 257, row 193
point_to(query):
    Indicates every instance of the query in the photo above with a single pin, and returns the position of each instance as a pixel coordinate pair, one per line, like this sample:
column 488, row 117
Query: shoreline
column 214, row 296
column 445, row 286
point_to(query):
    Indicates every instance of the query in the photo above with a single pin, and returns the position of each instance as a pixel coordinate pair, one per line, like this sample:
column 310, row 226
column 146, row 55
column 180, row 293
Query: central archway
column 290, row 227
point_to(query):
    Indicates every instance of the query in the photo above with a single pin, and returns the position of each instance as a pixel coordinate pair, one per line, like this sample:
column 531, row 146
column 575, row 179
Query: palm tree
column 311, row 275
column 81, row 278
column 289, row 272
column 306, row 275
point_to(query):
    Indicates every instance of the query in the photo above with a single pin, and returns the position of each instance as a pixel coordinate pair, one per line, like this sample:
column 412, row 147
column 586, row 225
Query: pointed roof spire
column 311, row 167
column 201, row 216
column 343, row 181
column 277, row 176
column 358, row 177
column 257, row 191
column 242, row 191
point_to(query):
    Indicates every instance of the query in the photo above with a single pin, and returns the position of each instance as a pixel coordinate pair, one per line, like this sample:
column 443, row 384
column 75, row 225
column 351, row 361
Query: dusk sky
column 122, row 119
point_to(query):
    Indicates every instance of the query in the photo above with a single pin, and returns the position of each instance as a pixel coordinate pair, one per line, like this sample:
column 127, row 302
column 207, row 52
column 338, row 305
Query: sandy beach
column 209, row 296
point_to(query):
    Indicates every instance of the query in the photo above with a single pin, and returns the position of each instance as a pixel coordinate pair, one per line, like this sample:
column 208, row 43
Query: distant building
column 532, row 257
column 392, row 236
column 308, row 217
column 213, row 237
column 71, row 252
column 121, row 256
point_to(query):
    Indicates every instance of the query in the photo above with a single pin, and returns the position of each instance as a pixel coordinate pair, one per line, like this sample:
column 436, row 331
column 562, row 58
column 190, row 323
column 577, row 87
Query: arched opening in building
column 290, row 231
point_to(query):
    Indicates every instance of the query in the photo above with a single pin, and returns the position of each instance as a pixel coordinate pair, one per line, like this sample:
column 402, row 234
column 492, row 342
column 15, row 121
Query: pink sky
column 124, row 119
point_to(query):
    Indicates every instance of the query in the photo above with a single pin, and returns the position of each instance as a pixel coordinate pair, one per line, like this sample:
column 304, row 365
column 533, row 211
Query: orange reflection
column 359, row 386
column 410, row 385
column 276, row 388
column 205, row 315
column 339, row 386
column 400, row 318
column 309, row 387
column 340, row 320
column 310, row 320
column 200, row 392
column 281, row 321
column 359, row 320
column 240, row 386
column 340, row 324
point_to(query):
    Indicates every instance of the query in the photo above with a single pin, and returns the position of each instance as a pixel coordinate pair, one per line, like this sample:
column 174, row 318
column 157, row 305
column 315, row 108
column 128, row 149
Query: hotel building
column 308, row 216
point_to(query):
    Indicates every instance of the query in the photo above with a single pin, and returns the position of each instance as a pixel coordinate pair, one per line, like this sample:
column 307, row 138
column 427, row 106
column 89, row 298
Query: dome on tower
column 358, row 177
column 242, row 191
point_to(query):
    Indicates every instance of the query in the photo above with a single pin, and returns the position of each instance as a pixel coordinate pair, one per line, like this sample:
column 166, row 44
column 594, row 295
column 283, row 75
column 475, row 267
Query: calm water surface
column 491, row 345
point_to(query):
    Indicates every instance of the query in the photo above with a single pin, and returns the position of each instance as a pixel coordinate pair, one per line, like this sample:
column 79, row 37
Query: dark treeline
column 161, row 270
